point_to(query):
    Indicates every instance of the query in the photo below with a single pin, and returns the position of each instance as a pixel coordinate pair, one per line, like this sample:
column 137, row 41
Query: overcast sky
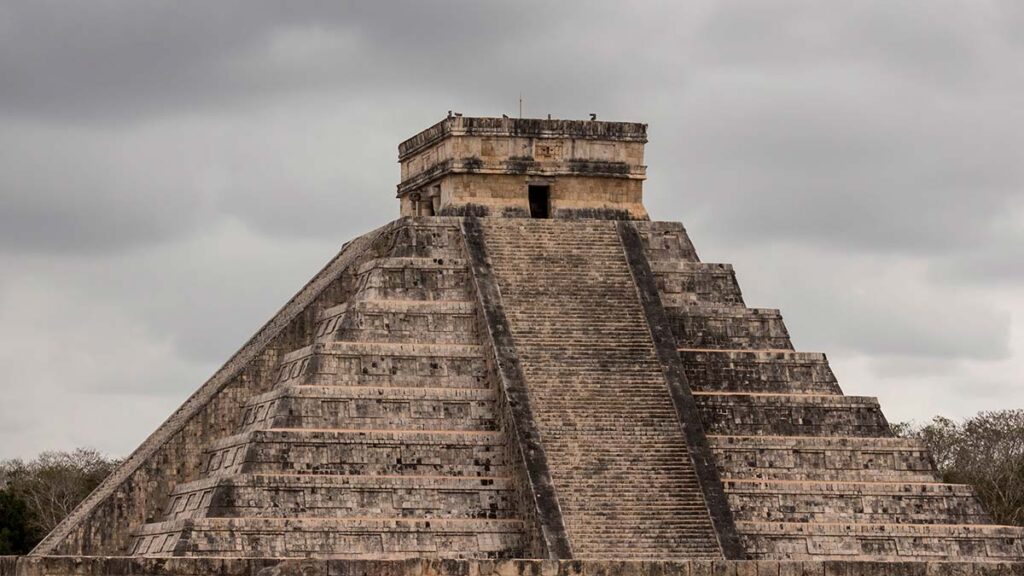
column 171, row 172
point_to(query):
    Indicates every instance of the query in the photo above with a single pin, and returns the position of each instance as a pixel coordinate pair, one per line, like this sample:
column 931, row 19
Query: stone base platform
column 135, row 566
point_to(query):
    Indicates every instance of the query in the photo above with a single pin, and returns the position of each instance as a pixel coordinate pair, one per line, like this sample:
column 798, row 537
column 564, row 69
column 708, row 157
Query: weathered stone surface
column 684, row 283
column 758, row 371
column 761, row 414
column 373, row 537
column 152, row 566
column 822, row 458
column 490, row 388
column 665, row 240
column 137, row 490
column 687, row 410
column 330, row 496
column 380, row 438
column 704, row 326
column 855, row 502
column 809, row 473
column 819, row 540
column 483, row 166
column 618, row 458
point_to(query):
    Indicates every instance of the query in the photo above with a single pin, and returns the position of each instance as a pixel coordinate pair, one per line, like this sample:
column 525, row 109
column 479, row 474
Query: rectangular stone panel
column 332, row 537
column 823, row 459
column 728, row 328
column 805, row 541
column 414, row 279
column 854, row 502
column 682, row 283
column 366, row 407
column 333, row 496
column 791, row 415
column 666, row 241
column 758, row 371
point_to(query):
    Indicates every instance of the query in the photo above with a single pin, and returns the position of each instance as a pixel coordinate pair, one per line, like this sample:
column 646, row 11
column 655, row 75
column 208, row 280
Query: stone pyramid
column 525, row 366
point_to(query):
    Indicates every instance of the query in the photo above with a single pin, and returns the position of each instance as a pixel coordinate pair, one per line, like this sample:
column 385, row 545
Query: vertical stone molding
column 682, row 398
column 513, row 386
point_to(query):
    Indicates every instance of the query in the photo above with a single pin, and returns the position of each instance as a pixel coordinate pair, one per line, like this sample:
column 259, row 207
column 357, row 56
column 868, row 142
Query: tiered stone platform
column 809, row 472
column 469, row 388
column 502, row 388
column 140, row 566
column 380, row 438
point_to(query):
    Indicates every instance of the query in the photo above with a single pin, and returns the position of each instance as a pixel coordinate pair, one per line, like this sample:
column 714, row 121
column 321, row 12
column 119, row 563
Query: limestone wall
column 483, row 167
column 380, row 438
column 506, row 195
column 554, row 154
column 133, row 566
column 139, row 489
column 809, row 473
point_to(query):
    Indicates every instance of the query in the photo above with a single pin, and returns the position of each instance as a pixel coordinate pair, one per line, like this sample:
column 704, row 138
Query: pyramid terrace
column 525, row 374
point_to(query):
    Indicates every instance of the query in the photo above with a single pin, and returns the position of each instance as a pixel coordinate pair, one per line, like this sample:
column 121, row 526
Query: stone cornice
column 525, row 128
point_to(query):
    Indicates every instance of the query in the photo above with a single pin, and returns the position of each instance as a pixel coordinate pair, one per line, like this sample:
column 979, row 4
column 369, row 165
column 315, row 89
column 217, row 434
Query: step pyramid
column 471, row 382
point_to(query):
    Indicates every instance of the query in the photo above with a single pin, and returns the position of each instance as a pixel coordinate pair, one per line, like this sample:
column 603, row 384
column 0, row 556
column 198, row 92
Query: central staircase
column 618, row 458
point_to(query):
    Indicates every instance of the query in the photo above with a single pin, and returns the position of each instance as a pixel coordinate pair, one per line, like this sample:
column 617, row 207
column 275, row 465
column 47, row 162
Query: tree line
column 986, row 451
column 36, row 495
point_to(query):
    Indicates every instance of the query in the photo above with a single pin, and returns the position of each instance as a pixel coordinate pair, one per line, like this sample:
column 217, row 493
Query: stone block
column 758, row 371
column 725, row 327
column 738, row 414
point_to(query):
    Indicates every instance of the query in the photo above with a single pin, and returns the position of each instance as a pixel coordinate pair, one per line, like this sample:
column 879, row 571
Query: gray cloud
column 171, row 173
column 152, row 58
column 882, row 307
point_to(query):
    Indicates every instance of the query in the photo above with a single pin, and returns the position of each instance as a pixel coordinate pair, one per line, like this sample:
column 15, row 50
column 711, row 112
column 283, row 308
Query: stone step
column 424, row 321
column 790, row 415
column 682, row 283
column 768, row 371
column 327, row 496
column 727, row 327
column 880, row 542
column 616, row 453
column 359, row 452
column 857, row 502
column 378, row 538
column 418, row 408
column 822, row 459
column 384, row 363
column 414, row 279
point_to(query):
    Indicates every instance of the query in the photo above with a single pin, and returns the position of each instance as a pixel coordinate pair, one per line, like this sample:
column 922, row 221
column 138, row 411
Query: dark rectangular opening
column 540, row 201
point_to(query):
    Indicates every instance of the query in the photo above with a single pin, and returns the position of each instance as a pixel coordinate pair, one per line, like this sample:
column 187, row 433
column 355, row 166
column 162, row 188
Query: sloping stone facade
column 574, row 387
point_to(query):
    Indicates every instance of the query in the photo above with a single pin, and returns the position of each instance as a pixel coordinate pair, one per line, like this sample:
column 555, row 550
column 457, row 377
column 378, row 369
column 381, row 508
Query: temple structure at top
column 523, row 167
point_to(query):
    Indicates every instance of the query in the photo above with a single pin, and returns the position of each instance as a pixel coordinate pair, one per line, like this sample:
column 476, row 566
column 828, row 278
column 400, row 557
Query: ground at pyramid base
column 525, row 366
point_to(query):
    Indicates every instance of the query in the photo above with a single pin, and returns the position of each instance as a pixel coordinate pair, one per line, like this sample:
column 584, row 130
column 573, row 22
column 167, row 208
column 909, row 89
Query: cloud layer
column 171, row 173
